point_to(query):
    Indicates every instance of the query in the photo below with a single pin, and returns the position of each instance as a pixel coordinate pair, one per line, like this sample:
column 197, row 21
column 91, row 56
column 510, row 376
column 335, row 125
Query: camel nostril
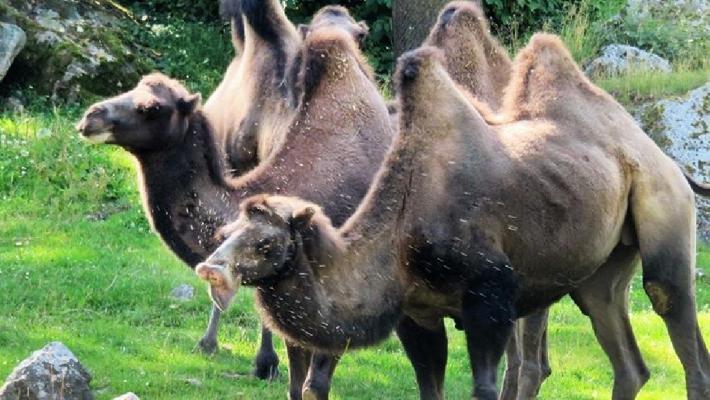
column 448, row 15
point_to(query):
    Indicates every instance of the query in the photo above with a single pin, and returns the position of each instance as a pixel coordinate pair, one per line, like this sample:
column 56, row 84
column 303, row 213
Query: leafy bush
column 194, row 10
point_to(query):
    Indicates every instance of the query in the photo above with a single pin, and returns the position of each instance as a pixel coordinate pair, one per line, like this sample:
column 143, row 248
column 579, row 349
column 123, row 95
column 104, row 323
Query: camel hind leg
column 604, row 298
column 664, row 216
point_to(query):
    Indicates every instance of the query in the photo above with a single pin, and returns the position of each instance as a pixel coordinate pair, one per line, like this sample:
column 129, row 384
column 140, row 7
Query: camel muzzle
column 223, row 287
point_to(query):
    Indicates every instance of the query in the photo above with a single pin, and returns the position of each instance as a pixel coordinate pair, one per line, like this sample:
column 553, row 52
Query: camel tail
column 701, row 189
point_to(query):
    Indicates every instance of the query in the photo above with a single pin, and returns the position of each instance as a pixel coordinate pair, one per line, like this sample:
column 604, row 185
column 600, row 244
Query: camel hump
column 429, row 98
column 546, row 79
column 327, row 53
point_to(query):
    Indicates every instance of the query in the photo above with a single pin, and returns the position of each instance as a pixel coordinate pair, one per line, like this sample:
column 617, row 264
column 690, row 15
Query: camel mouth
column 101, row 137
column 223, row 287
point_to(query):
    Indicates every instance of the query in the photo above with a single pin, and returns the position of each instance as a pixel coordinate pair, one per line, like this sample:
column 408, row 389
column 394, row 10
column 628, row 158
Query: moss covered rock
column 74, row 47
column 681, row 127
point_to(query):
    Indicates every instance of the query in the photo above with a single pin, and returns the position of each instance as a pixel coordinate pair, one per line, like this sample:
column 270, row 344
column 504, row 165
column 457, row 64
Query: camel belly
column 427, row 307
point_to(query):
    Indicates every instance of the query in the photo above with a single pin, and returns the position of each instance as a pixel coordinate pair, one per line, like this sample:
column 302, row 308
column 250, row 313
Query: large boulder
column 12, row 40
column 618, row 59
column 50, row 373
column 681, row 126
column 74, row 47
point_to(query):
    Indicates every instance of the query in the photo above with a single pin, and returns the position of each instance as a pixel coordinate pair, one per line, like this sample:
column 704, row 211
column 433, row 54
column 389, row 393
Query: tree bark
column 412, row 20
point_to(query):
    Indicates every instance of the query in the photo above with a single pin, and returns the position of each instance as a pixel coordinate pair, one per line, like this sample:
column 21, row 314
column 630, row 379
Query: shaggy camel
column 508, row 218
column 185, row 193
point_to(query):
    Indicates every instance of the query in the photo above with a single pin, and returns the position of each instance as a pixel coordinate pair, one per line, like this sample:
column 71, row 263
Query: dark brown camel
column 483, row 223
column 341, row 132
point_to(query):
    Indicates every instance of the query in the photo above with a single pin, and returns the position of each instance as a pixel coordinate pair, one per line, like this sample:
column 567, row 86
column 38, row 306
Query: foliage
column 675, row 34
column 192, row 10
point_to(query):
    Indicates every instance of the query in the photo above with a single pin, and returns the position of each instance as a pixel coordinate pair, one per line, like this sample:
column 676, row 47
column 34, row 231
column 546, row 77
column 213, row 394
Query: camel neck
column 185, row 194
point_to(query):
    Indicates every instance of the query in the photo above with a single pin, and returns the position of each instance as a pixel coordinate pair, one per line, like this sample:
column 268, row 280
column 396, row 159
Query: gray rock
column 76, row 47
column 681, row 126
column 619, row 58
column 183, row 292
column 644, row 8
column 128, row 396
column 12, row 40
column 50, row 373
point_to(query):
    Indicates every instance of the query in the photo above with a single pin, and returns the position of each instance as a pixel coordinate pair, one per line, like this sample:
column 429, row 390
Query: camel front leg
column 298, row 361
column 320, row 375
column 488, row 313
column 535, row 366
column 208, row 343
column 266, row 363
column 427, row 350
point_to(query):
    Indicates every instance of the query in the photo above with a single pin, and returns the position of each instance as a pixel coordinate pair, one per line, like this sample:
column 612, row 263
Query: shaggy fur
column 443, row 230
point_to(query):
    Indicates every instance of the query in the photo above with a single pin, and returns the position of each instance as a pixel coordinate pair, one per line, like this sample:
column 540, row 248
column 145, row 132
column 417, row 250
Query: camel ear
column 302, row 218
column 363, row 32
column 303, row 30
column 188, row 104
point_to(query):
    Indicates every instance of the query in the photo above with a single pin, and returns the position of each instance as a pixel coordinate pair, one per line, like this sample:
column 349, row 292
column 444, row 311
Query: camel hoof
column 207, row 346
column 266, row 372
column 310, row 394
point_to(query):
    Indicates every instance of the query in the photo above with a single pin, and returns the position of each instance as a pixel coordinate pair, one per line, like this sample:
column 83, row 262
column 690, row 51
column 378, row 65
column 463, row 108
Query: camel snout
column 222, row 286
column 94, row 126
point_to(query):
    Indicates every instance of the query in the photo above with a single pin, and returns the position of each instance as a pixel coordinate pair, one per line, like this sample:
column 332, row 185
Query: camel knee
column 661, row 296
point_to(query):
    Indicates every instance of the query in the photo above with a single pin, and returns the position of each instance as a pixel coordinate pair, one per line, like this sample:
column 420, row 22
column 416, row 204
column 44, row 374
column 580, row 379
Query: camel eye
column 149, row 111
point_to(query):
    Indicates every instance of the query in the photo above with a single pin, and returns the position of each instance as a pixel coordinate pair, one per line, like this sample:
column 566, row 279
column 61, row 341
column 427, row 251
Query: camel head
column 152, row 116
column 260, row 245
column 339, row 17
column 458, row 21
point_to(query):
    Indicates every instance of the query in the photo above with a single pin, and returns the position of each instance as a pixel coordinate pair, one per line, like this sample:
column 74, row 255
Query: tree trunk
column 412, row 20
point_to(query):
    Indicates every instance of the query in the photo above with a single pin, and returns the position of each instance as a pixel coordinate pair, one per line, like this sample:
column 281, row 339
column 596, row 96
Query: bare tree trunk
column 412, row 20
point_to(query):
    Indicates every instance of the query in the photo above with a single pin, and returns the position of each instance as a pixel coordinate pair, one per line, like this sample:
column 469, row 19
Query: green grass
column 101, row 286
column 638, row 87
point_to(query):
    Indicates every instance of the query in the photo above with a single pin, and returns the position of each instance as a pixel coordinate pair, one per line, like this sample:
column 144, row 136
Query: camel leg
column 266, row 363
column 320, row 374
column 208, row 343
column 427, row 350
column 488, row 311
column 664, row 214
column 534, row 366
column 298, row 361
column 605, row 299
column 514, row 359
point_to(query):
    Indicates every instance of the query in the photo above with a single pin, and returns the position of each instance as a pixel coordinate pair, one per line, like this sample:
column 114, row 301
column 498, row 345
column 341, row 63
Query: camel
column 183, row 182
column 480, row 222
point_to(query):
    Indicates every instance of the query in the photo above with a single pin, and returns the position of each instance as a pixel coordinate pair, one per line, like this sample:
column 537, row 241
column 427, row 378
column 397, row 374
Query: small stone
column 618, row 58
column 193, row 382
column 52, row 372
column 128, row 396
column 12, row 40
column 183, row 292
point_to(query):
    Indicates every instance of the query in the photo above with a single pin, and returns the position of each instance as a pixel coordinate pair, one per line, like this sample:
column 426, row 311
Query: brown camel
column 341, row 133
column 484, row 223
